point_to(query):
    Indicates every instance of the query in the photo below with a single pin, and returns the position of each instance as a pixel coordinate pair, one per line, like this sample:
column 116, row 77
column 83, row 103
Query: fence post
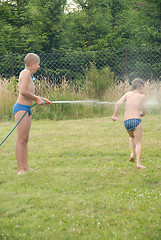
column 126, row 48
column 12, row 63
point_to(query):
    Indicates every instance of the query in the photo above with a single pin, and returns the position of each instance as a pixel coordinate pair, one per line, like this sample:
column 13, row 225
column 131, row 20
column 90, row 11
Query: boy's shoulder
column 141, row 95
column 24, row 73
column 128, row 93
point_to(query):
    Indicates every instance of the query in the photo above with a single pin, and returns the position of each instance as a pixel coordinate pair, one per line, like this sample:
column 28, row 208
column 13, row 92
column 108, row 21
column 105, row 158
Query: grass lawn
column 84, row 186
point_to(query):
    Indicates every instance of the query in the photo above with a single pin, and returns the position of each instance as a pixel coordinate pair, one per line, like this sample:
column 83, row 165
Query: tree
column 149, row 15
column 30, row 25
column 104, row 24
column 43, row 26
column 14, row 15
column 98, row 24
column 48, row 16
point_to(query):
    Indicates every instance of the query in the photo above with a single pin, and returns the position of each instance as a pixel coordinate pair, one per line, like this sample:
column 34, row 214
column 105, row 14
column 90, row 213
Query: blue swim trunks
column 20, row 107
column 132, row 123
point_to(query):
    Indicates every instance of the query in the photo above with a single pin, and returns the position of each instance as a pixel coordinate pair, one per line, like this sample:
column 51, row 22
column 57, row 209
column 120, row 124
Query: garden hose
column 46, row 102
column 16, row 124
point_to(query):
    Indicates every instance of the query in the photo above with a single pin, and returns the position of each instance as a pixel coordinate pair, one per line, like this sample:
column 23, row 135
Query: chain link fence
column 127, row 63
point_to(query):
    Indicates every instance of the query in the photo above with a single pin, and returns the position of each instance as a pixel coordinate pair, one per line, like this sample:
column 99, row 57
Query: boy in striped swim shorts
column 134, row 102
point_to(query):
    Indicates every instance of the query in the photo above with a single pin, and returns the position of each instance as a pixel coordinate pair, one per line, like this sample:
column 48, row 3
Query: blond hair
column 31, row 57
column 137, row 83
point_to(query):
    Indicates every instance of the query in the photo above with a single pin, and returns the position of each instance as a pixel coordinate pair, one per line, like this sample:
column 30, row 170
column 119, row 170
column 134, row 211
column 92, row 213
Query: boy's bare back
column 134, row 101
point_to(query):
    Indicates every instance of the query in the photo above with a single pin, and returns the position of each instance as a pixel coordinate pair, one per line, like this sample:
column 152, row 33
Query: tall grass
column 8, row 97
column 67, row 91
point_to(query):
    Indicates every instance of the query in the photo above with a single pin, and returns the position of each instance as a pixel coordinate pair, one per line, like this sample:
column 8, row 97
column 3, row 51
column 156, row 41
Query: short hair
column 137, row 83
column 31, row 57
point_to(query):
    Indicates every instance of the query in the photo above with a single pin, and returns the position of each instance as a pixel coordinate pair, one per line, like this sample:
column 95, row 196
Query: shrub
column 98, row 81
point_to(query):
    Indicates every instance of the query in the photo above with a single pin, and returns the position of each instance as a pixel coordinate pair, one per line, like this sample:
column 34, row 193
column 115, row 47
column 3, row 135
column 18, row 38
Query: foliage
column 146, row 24
column 98, row 81
column 33, row 25
column 8, row 98
column 103, row 24
column 13, row 84
column 94, row 27
column 44, row 26
column 15, row 16
column 48, row 16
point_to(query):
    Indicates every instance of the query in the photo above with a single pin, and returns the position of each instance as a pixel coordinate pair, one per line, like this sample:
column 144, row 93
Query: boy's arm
column 117, row 107
column 24, row 89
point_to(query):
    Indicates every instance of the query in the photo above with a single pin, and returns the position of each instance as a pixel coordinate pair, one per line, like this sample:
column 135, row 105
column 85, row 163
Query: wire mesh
column 127, row 63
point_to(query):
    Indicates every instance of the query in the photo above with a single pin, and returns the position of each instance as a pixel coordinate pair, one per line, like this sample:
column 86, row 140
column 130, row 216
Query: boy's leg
column 132, row 145
column 138, row 142
column 21, row 150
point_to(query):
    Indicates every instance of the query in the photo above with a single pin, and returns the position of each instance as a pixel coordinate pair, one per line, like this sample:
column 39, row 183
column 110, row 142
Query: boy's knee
column 138, row 143
column 24, row 140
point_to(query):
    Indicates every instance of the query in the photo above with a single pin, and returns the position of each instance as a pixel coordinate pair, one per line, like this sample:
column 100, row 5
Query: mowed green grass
column 84, row 186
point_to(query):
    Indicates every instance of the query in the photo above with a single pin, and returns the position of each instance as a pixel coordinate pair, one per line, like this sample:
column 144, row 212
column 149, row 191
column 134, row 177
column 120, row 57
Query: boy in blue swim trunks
column 24, row 101
column 134, row 102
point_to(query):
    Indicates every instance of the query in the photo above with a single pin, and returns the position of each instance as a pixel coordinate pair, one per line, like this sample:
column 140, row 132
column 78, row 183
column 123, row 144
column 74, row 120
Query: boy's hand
column 39, row 101
column 114, row 118
column 46, row 101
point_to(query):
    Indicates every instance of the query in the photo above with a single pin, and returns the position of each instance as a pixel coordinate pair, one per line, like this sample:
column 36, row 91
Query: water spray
column 57, row 102
column 84, row 102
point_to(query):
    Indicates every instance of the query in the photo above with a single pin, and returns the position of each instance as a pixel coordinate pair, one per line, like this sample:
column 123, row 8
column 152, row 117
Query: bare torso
column 25, row 82
column 134, row 102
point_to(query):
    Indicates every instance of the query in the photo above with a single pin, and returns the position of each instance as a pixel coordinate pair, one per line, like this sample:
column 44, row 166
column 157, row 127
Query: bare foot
column 20, row 172
column 140, row 166
column 131, row 159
